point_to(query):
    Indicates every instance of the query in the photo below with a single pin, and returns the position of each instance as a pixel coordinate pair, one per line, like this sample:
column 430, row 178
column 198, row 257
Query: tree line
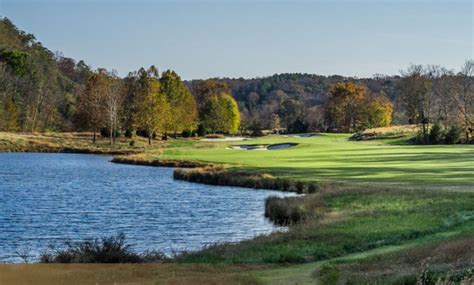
column 41, row 91
column 152, row 104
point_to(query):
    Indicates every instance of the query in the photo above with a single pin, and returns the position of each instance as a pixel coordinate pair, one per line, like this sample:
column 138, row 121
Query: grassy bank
column 340, row 222
column 418, row 254
column 73, row 143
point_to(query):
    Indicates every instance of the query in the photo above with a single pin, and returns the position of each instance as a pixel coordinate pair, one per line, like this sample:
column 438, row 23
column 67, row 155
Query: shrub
column 299, row 187
column 453, row 135
column 329, row 274
column 298, row 126
column 142, row 133
column 284, row 211
column 312, row 188
column 436, row 134
column 201, row 131
column 111, row 249
column 132, row 143
column 104, row 132
column 188, row 134
column 256, row 129
column 277, row 210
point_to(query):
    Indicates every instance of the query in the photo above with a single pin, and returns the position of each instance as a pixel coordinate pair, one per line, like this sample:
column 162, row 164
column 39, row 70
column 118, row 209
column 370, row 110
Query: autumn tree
column 343, row 107
column 9, row 116
column 230, row 114
column 182, row 103
column 206, row 89
column 375, row 111
column 90, row 104
column 218, row 111
column 152, row 109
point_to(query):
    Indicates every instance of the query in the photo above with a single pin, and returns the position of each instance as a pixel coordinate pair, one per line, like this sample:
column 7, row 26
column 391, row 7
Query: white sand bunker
column 229, row 139
column 262, row 147
column 306, row 135
column 249, row 147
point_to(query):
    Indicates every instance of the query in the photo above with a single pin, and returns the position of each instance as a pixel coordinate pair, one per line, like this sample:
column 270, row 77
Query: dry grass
column 104, row 274
column 454, row 257
column 71, row 142
column 218, row 175
column 139, row 159
column 387, row 132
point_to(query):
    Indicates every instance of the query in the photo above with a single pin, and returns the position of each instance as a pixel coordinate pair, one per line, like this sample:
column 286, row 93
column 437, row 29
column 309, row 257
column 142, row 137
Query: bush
column 105, row 250
column 312, row 188
column 277, row 210
column 299, row 187
column 256, row 129
column 284, row 211
column 329, row 274
column 128, row 133
column 453, row 135
column 188, row 134
column 436, row 134
column 104, row 132
column 132, row 143
column 201, row 131
column 142, row 133
column 298, row 126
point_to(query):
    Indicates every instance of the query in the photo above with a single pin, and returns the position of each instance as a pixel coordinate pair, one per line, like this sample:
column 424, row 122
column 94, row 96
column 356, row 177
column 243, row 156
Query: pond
column 46, row 199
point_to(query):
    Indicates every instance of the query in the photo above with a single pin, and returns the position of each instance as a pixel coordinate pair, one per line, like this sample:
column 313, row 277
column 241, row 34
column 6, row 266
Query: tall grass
column 224, row 177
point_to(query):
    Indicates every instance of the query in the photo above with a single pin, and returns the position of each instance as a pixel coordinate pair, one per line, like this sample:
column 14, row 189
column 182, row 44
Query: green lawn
column 332, row 157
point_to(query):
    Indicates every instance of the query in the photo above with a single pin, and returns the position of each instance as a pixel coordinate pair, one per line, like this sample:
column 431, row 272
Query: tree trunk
column 94, row 137
column 149, row 139
column 111, row 135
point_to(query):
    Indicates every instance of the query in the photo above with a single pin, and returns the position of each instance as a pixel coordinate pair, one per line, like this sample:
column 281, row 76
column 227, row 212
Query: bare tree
column 417, row 96
column 465, row 97
column 112, row 102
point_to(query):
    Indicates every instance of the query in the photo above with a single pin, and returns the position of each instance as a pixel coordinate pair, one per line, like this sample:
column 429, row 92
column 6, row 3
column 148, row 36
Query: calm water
column 49, row 198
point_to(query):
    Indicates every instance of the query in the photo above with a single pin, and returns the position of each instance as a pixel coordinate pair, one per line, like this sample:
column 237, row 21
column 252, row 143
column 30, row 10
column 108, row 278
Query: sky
column 244, row 38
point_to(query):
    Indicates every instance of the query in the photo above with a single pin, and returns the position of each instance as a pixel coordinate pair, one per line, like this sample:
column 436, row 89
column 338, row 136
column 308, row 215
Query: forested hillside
column 37, row 88
column 295, row 95
column 41, row 91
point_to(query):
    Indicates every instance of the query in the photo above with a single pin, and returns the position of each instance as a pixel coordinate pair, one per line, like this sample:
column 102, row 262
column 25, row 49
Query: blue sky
column 243, row 38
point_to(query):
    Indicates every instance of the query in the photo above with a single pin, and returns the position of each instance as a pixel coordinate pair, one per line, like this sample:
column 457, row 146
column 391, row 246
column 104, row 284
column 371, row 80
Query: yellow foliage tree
column 153, row 109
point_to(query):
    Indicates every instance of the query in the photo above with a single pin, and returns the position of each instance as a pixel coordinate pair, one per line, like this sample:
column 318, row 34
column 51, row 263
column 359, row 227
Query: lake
column 50, row 198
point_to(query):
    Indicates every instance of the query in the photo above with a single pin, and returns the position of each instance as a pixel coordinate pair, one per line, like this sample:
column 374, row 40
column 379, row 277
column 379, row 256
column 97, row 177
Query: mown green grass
column 352, row 221
column 333, row 158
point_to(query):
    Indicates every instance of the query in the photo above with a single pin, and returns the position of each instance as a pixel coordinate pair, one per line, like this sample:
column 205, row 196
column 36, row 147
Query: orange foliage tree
column 351, row 108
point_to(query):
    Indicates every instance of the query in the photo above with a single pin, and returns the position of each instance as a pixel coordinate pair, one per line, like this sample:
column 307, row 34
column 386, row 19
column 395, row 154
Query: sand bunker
column 306, row 135
column 229, row 139
column 263, row 147
column 249, row 147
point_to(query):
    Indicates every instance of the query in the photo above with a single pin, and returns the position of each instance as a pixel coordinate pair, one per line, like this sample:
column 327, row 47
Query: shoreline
column 218, row 175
